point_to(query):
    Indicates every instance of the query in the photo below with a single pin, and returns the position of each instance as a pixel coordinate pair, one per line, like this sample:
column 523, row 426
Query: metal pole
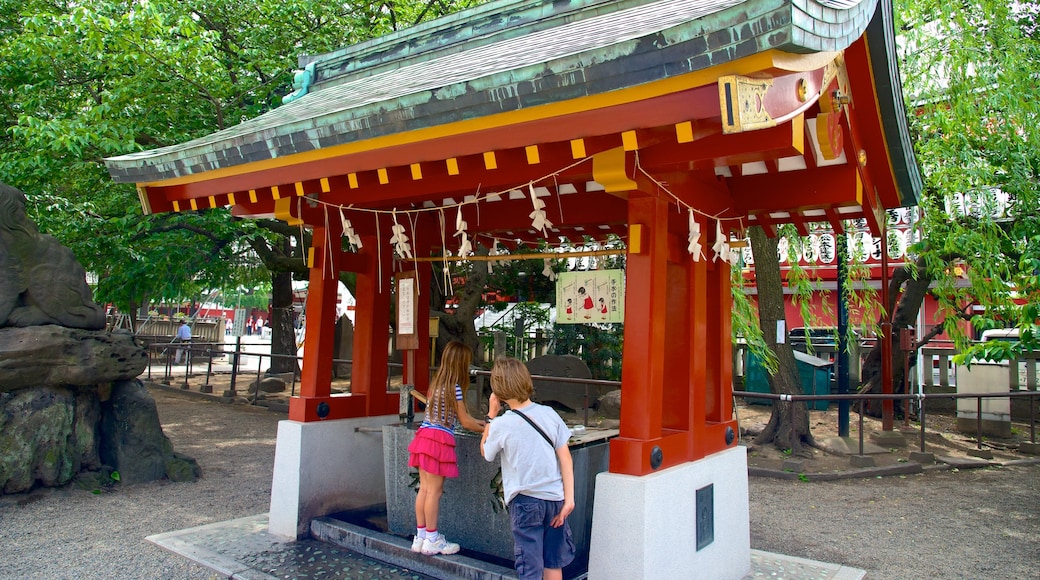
column 978, row 423
column 259, row 369
column 844, row 405
column 920, row 406
column 862, row 411
column 234, row 363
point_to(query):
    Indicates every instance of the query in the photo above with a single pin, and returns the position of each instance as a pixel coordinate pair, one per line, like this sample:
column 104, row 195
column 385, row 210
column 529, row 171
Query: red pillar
column 372, row 328
column 315, row 402
column 643, row 445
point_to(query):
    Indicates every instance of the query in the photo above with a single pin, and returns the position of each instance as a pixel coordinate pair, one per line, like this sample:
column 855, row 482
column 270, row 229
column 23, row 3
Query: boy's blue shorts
column 536, row 544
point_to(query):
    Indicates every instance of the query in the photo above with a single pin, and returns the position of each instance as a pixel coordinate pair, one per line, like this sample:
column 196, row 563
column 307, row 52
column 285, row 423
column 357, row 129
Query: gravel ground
column 946, row 524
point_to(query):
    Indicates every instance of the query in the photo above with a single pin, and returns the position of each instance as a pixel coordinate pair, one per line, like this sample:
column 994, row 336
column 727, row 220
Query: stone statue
column 40, row 280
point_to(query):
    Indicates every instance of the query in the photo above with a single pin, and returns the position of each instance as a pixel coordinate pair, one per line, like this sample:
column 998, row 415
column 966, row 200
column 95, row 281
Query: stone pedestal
column 471, row 513
column 325, row 467
column 690, row 521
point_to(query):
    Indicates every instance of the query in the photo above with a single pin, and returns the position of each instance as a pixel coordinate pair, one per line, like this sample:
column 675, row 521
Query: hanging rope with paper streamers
column 694, row 239
column 538, row 219
column 400, row 240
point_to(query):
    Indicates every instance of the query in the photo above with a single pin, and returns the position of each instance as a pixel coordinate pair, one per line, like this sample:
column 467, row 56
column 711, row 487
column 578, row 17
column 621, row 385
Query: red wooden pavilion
column 635, row 118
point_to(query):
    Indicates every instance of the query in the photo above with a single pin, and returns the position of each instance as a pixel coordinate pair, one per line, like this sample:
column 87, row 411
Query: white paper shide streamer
column 538, row 219
column 465, row 248
column 348, row 231
column 400, row 240
column 547, row 270
column 694, row 239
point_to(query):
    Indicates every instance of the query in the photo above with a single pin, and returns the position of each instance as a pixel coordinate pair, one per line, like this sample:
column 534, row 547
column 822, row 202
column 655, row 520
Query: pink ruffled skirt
column 433, row 451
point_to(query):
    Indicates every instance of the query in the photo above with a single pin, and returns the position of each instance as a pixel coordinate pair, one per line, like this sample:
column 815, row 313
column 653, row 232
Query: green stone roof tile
column 498, row 57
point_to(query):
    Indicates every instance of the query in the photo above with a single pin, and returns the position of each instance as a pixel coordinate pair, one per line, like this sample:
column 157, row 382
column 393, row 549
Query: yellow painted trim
column 416, row 171
column 176, row 206
column 798, row 133
column 193, row 204
column 231, row 199
column 578, row 148
column 212, row 202
column 635, row 238
column 859, row 189
column 325, row 188
column 384, row 177
column 299, row 188
column 275, row 193
column 629, row 141
column 608, row 169
column 489, row 160
column 310, row 257
column 709, row 76
column 252, row 196
column 283, row 211
column 532, row 155
column 352, row 180
column 453, row 165
column 684, row 132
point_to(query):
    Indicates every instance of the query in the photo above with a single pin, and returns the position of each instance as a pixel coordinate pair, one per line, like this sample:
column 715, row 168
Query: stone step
column 397, row 551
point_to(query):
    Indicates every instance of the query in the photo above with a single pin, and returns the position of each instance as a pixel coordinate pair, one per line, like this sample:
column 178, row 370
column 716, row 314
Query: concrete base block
column 862, row 461
column 690, row 521
column 1030, row 448
column 206, row 389
column 888, row 439
column 325, row 467
column 922, row 457
column 980, row 453
column 230, row 394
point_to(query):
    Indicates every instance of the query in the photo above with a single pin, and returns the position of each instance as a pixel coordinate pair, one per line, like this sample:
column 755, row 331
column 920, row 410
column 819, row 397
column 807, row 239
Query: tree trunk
column 906, row 293
column 283, row 338
column 459, row 324
column 788, row 426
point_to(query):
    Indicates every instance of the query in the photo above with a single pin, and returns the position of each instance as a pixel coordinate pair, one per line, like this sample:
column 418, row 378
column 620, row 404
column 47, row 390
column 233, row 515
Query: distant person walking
column 249, row 326
column 183, row 335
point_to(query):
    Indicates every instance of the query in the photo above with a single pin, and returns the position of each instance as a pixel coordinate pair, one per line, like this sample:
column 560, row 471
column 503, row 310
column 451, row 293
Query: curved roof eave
column 881, row 43
column 582, row 56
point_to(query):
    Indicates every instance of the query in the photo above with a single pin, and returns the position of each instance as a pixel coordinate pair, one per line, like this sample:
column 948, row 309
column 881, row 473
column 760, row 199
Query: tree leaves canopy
column 83, row 81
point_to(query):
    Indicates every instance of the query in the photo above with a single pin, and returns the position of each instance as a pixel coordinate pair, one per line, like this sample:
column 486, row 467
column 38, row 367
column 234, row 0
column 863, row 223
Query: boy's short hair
column 510, row 379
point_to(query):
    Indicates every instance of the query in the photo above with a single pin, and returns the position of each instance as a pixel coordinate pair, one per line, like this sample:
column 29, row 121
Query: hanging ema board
column 592, row 296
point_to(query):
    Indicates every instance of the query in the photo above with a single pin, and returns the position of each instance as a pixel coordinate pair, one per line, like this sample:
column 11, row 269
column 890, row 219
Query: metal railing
column 919, row 398
column 199, row 354
column 194, row 352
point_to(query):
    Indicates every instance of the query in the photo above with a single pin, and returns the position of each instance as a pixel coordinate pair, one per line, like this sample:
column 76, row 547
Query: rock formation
column 71, row 407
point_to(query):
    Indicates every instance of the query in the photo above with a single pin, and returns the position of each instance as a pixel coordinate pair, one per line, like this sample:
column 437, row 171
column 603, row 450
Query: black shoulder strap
column 536, row 427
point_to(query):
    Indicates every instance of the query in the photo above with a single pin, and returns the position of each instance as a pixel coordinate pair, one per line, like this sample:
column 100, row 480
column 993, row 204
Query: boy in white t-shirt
column 537, row 472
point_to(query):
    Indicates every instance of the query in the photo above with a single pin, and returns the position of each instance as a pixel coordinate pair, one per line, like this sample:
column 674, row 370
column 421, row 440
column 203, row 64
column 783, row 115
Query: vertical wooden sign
column 407, row 310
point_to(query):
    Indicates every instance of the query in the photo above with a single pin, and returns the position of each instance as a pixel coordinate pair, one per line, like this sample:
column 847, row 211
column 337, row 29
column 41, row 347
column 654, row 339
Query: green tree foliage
column 83, row 81
column 970, row 72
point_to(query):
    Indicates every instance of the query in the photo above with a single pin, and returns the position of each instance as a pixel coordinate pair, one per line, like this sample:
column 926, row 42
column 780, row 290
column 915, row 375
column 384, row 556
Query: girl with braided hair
column 433, row 449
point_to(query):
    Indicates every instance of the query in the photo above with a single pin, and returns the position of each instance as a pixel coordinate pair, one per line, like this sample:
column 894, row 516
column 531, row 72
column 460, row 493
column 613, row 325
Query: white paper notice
column 406, row 306
column 781, row 331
